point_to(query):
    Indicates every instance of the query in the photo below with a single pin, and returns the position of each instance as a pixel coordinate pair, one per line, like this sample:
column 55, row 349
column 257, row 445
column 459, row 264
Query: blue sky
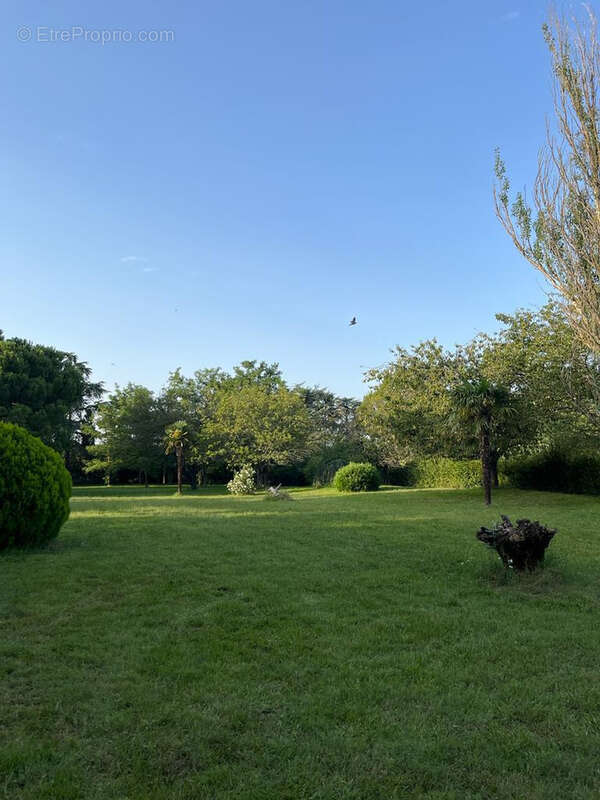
column 243, row 190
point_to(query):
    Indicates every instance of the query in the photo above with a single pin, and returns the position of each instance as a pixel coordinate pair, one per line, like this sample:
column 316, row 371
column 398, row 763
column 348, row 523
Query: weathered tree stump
column 521, row 546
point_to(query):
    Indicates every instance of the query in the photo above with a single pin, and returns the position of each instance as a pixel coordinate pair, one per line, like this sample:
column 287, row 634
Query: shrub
column 554, row 471
column 34, row 489
column 445, row 473
column 357, row 478
column 243, row 481
column 521, row 546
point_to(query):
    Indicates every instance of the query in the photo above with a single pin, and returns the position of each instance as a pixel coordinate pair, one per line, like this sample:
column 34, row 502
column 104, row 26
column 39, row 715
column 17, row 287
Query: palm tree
column 175, row 441
column 476, row 404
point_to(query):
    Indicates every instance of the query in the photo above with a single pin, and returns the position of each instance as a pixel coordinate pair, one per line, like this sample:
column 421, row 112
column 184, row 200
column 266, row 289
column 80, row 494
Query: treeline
column 225, row 421
column 527, row 390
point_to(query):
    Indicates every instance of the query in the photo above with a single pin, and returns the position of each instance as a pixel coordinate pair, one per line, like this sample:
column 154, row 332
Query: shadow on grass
column 135, row 491
column 56, row 547
column 550, row 576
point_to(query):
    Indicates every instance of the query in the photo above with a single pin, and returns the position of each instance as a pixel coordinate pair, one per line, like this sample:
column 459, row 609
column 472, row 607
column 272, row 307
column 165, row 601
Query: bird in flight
column 353, row 321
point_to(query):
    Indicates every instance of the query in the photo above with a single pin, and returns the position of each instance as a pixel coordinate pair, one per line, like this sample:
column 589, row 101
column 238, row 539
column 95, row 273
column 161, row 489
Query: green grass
column 362, row 646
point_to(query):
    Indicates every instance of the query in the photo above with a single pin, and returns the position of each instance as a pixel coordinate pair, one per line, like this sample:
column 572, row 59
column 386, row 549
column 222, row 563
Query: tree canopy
column 47, row 391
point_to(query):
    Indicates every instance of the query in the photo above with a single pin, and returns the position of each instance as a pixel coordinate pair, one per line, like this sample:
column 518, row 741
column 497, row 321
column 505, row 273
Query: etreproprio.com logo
column 102, row 36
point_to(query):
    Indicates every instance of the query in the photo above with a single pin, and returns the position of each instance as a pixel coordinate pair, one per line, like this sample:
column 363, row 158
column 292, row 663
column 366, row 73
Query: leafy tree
column 406, row 410
column 554, row 384
column 176, row 436
column 475, row 406
column 257, row 426
column 336, row 436
column 332, row 418
column 194, row 400
column 560, row 237
column 252, row 373
column 46, row 391
column 128, row 429
column 554, row 381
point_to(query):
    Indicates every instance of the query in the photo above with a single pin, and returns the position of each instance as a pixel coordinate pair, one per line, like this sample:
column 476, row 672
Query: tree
column 554, row 381
column 252, row 373
column 332, row 418
column 175, row 441
column 554, row 384
column 193, row 400
column 476, row 405
column 405, row 411
column 257, row 426
column 128, row 430
column 336, row 436
column 562, row 238
column 46, row 391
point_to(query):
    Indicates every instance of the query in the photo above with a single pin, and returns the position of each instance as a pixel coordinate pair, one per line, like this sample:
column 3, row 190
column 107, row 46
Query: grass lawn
column 361, row 646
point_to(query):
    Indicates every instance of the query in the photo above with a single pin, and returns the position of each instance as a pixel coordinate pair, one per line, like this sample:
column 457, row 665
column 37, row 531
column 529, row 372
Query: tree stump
column 521, row 546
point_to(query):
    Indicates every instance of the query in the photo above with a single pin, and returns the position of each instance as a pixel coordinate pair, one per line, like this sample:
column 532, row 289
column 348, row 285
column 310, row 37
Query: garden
column 238, row 585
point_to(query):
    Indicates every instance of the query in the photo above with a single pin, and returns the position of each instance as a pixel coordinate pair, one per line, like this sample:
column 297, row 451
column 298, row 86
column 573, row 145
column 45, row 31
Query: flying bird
column 353, row 321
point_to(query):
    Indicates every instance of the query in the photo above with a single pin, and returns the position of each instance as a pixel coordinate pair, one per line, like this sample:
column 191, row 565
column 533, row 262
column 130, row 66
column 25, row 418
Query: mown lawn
column 331, row 647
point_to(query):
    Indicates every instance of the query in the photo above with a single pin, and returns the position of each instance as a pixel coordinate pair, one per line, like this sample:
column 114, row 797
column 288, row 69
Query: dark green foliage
column 46, row 391
column 357, row 478
column 34, row 489
column 554, row 471
column 477, row 404
column 521, row 546
column 321, row 467
column 288, row 474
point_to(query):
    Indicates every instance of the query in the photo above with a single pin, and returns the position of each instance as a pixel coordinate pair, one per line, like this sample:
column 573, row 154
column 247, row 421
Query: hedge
column 554, row 471
column 441, row 473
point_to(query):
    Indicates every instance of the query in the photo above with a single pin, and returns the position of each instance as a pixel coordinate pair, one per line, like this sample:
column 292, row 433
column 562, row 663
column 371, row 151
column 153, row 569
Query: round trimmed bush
column 357, row 478
column 34, row 489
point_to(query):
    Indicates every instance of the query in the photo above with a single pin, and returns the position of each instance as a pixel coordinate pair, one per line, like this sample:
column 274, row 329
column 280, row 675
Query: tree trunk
column 179, row 469
column 261, row 470
column 164, row 475
column 145, row 479
column 494, row 458
column 486, row 471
